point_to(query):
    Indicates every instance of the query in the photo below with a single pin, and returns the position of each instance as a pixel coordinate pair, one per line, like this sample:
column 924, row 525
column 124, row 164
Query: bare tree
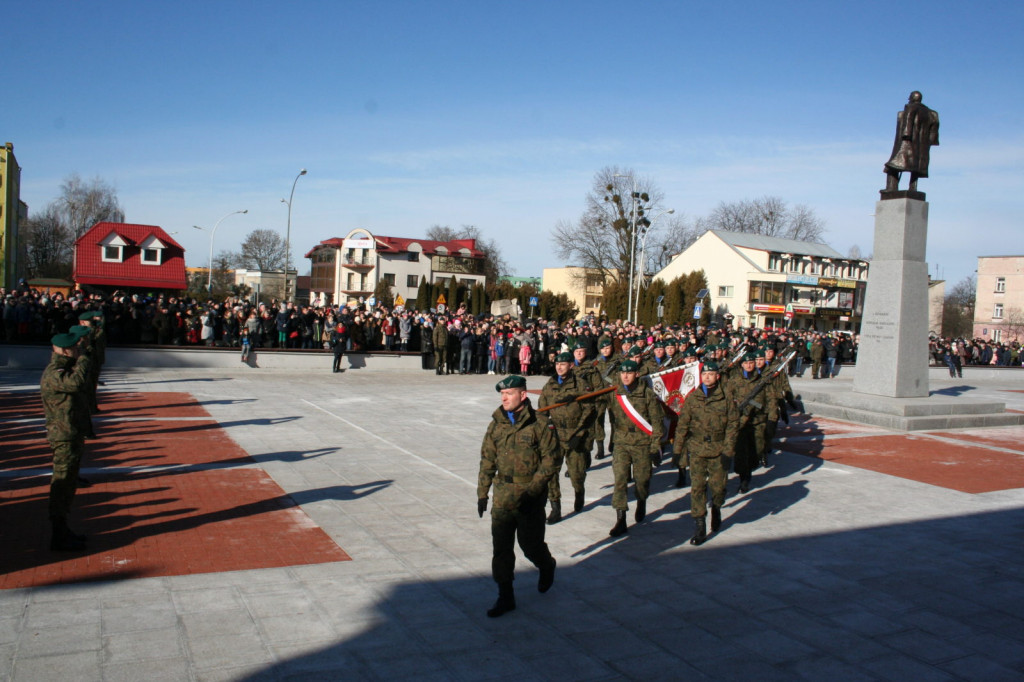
column 262, row 250
column 679, row 233
column 854, row 253
column 958, row 308
column 619, row 207
column 768, row 216
column 48, row 245
column 83, row 204
column 495, row 266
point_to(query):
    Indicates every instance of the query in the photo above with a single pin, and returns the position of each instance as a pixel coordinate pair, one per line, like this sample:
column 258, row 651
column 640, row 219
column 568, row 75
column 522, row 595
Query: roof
column 403, row 244
column 130, row 272
column 760, row 242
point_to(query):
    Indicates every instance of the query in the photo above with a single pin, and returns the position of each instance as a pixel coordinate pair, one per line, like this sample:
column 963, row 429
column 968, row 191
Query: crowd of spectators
column 476, row 344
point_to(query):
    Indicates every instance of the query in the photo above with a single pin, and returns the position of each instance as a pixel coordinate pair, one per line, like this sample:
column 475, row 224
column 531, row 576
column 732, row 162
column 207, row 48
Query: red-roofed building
column 125, row 256
column 343, row 269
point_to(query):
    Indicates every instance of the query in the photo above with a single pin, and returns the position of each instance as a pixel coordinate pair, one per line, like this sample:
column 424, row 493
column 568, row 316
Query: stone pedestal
column 892, row 359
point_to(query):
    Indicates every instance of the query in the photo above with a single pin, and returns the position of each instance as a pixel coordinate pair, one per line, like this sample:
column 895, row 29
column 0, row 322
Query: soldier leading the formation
column 64, row 390
column 518, row 457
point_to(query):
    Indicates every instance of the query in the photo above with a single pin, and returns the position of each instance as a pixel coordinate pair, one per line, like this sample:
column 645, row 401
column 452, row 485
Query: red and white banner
column 673, row 385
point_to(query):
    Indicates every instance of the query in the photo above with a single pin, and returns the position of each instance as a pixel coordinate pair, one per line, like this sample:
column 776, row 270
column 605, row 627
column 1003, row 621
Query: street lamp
column 643, row 252
column 213, row 233
column 288, row 234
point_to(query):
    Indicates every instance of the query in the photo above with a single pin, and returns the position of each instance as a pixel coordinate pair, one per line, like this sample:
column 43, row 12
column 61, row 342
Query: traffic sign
column 440, row 300
column 533, row 301
column 697, row 310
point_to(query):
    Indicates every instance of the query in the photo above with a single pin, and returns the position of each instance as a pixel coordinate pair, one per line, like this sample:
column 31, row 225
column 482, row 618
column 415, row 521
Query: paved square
column 824, row 569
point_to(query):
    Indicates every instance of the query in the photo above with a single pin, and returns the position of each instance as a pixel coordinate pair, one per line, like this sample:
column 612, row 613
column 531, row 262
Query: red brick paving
column 149, row 524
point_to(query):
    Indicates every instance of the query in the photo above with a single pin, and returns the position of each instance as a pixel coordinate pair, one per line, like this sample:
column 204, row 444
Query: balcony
column 364, row 263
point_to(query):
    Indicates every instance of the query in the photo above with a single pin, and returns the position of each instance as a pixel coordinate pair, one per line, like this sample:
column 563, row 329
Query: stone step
column 927, row 422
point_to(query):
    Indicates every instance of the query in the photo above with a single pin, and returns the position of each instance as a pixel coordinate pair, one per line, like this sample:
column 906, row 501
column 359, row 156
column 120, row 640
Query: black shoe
column 63, row 540
column 506, row 601
column 620, row 524
column 577, row 505
column 744, row 486
column 600, row 450
column 84, row 482
column 681, row 479
column 716, row 518
column 700, row 533
column 547, row 577
column 641, row 511
column 556, row 513
column 567, row 473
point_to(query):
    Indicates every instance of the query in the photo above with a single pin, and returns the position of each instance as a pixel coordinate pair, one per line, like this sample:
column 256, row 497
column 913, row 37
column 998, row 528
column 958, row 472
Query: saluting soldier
column 95, row 345
column 706, row 438
column 607, row 368
column 64, row 391
column 572, row 422
column 636, row 416
column 518, row 457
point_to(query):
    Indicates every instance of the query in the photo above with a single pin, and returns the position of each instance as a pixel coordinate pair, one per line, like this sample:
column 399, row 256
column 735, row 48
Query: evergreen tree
column 382, row 292
column 423, row 295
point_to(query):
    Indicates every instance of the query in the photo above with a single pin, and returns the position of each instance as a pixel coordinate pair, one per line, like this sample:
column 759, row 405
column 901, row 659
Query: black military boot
column 556, row 513
column 681, row 479
column 506, row 601
column 641, row 511
column 63, row 540
column 577, row 505
column 600, row 450
column 744, row 485
column 620, row 524
column 716, row 518
column 700, row 532
column 547, row 577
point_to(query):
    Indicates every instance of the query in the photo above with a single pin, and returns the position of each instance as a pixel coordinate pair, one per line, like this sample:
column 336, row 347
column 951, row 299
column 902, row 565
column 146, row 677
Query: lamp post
column 643, row 252
column 288, row 235
column 632, row 244
column 213, row 233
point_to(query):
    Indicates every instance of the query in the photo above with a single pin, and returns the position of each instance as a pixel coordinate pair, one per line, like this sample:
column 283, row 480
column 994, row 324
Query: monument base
column 934, row 412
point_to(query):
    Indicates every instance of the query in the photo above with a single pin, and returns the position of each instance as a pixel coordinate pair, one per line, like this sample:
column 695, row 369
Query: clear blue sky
column 410, row 114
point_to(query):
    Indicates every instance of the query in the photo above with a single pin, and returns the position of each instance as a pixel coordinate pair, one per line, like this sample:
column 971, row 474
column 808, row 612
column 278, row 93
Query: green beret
column 564, row 357
column 659, row 344
column 65, row 340
column 634, row 352
column 749, row 357
column 604, row 342
column 689, row 352
column 628, row 366
column 670, row 342
column 709, row 366
column 87, row 315
column 630, row 339
column 511, row 381
column 80, row 331
column 758, row 354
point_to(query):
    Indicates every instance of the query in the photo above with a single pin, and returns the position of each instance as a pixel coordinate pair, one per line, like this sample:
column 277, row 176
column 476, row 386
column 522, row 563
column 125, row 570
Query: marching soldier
column 572, row 423
column 518, row 457
column 607, row 368
column 656, row 362
column 783, row 392
column 636, row 417
column 706, row 439
column 588, row 374
column 750, row 442
column 64, row 391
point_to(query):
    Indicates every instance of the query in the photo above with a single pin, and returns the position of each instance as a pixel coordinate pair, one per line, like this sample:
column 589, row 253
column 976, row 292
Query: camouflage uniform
column 572, row 423
column 783, row 391
column 592, row 380
column 97, row 341
column 633, row 447
column 751, row 444
column 440, row 338
column 706, row 437
column 64, row 389
column 519, row 459
column 606, row 370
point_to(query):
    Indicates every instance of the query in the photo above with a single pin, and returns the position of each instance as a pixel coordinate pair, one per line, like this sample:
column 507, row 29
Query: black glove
column 481, row 506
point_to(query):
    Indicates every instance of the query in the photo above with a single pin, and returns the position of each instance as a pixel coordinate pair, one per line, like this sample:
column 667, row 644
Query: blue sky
column 411, row 114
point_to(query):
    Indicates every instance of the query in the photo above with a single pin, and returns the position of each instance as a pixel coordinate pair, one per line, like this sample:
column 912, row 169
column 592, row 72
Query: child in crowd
column 246, row 345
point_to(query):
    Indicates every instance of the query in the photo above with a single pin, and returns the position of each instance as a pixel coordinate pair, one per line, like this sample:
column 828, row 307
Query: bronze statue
column 917, row 129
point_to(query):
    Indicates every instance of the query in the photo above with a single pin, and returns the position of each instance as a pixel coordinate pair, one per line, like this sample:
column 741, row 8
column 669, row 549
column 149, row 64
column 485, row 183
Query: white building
column 761, row 281
column 343, row 269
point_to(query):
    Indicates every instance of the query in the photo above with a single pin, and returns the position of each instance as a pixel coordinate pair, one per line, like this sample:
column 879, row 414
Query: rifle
column 585, row 396
column 743, row 351
column 766, row 379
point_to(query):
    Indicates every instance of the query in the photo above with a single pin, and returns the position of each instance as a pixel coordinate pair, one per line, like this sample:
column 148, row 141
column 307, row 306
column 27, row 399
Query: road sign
column 372, row 301
column 440, row 300
column 399, row 300
column 533, row 301
column 697, row 310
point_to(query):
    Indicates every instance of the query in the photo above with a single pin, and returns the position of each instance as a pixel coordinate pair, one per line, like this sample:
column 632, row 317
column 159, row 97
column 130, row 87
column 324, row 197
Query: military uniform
column 751, row 444
column 634, row 445
column 706, row 436
column 440, row 338
column 572, row 423
column 607, row 369
column 64, row 391
column 517, row 457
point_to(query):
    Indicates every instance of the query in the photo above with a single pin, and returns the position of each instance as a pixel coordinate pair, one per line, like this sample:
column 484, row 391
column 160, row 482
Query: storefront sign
column 357, row 243
column 800, row 309
column 837, row 283
column 803, row 279
column 834, row 312
column 765, row 308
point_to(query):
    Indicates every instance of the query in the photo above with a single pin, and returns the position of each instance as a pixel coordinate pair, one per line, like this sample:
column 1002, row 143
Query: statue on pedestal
column 917, row 129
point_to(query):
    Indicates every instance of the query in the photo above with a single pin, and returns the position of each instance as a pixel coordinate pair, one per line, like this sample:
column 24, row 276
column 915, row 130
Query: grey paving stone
column 899, row 668
column 142, row 645
column 165, row 670
column 227, row 651
column 924, row 646
column 81, row 666
column 59, row 640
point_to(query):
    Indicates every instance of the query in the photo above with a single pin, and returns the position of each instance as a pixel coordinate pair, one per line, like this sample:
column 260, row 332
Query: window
column 997, row 335
column 725, row 292
column 813, row 269
column 412, row 280
column 1000, row 285
column 112, row 254
column 794, row 295
column 389, row 277
column 414, row 256
column 151, row 256
column 998, row 312
column 774, row 262
column 794, row 265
